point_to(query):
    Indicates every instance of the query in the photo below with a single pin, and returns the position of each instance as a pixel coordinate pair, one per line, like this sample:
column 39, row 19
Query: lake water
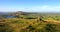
column 10, row 17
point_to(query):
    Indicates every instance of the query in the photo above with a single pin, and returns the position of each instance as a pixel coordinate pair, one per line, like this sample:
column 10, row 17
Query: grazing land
column 29, row 22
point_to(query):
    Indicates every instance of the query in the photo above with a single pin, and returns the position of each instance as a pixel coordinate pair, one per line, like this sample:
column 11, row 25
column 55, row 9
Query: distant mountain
column 12, row 14
column 2, row 13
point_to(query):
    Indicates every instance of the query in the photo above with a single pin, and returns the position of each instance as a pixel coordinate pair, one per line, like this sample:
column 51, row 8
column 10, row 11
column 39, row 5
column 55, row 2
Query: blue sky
column 30, row 5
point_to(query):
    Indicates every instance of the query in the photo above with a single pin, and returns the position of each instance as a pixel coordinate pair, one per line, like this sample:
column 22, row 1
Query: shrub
column 50, row 28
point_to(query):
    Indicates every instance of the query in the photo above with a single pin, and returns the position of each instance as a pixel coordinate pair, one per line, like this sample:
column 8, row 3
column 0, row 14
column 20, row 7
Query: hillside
column 29, row 22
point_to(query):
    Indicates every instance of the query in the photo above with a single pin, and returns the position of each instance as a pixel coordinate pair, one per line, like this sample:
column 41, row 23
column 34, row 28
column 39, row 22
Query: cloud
column 7, row 9
column 34, row 9
column 45, row 9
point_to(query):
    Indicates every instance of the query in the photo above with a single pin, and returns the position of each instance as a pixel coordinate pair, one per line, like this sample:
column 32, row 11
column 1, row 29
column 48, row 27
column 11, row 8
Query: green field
column 31, row 22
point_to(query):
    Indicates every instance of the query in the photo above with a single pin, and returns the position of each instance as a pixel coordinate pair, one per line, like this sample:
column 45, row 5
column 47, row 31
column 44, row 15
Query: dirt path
column 53, row 21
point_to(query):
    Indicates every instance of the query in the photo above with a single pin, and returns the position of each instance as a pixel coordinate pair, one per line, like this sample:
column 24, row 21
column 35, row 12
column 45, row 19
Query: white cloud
column 34, row 9
column 46, row 9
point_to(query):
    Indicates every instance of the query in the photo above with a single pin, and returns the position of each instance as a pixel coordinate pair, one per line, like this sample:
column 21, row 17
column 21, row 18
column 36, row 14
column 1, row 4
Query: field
column 31, row 22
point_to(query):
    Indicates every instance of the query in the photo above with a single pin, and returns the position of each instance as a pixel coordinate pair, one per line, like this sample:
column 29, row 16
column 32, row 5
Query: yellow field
column 27, row 25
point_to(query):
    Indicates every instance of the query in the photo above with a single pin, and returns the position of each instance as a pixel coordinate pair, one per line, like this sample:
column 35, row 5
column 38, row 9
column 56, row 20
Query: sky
column 30, row 5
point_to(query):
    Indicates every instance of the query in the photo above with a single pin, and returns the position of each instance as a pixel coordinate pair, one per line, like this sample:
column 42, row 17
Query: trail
column 53, row 21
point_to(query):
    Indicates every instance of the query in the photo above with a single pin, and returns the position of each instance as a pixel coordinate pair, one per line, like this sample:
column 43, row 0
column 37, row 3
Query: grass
column 22, row 24
column 28, row 25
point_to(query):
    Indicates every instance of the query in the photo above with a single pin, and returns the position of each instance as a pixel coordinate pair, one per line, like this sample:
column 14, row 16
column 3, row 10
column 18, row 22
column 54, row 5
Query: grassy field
column 31, row 23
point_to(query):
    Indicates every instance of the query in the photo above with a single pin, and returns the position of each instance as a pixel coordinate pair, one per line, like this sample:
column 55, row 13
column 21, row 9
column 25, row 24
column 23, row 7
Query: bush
column 50, row 28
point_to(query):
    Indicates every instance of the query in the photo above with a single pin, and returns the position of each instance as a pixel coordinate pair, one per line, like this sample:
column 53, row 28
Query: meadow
column 31, row 23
